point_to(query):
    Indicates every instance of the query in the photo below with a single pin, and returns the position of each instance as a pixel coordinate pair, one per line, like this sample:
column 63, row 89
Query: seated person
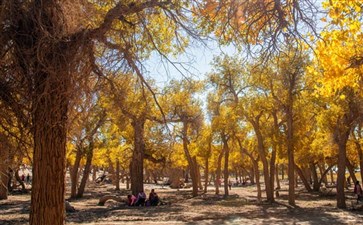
column 131, row 199
column 141, row 197
column 153, row 198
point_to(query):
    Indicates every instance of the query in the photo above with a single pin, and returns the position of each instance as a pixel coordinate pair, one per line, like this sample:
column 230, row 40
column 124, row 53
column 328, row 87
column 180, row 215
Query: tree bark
column 218, row 172
column 4, row 178
column 86, row 171
column 277, row 178
column 303, row 178
column 226, row 158
column 351, row 171
column 50, row 135
column 117, row 175
column 74, row 172
column 206, row 174
column 257, row 176
column 316, row 184
column 137, row 162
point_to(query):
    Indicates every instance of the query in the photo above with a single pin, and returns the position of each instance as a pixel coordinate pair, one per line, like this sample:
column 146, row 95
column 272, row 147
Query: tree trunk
column 117, row 175
column 303, row 178
column 277, row 178
column 94, row 173
column 257, row 176
column 74, row 172
column 50, row 135
column 137, row 163
column 87, row 171
column 263, row 158
column 252, row 175
column 4, row 178
column 290, row 152
column 218, row 172
column 206, row 174
column 316, row 184
column 323, row 173
column 360, row 154
column 226, row 158
column 341, row 135
column 351, row 171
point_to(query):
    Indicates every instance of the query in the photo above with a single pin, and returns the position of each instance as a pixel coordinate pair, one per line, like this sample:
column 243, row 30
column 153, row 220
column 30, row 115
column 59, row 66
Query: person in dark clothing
column 358, row 191
column 141, row 197
column 153, row 198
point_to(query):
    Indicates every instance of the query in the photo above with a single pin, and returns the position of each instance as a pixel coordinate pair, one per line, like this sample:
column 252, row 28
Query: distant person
column 358, row 191
column 230, row 184
column 131, row 199
column 28, row 178
column 141, row 197
column 23, row 177
column 153, row 198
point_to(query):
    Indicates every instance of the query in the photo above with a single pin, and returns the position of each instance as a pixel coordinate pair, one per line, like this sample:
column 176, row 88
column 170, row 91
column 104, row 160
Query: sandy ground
column 240, row 207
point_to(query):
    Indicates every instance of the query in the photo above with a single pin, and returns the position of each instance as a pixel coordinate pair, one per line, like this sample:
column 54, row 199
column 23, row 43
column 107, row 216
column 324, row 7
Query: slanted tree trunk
column 323, row 173
column 303, row 178
column 74, row 172
column 351, row 171
column 137, row 162
column 86, row 171
column 263, row 157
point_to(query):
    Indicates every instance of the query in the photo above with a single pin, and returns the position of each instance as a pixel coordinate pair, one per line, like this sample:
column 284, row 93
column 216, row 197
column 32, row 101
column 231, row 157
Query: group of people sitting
column 140, row 199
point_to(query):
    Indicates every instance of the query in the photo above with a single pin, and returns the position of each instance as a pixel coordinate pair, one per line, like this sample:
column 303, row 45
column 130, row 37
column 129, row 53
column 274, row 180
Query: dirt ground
column 240, row 207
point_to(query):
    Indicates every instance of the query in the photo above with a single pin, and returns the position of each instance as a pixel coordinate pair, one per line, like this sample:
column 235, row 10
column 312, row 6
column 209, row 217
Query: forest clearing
column 246, row 111
column 240, row 207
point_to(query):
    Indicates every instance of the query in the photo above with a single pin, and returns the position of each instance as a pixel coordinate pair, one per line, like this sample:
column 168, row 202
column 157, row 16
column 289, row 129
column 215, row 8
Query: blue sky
column 193, row 63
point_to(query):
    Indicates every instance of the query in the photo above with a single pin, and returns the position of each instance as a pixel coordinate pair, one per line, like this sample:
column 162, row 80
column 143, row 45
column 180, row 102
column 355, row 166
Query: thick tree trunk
column 86, row 171
column 137, row 163
column 49, row 127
